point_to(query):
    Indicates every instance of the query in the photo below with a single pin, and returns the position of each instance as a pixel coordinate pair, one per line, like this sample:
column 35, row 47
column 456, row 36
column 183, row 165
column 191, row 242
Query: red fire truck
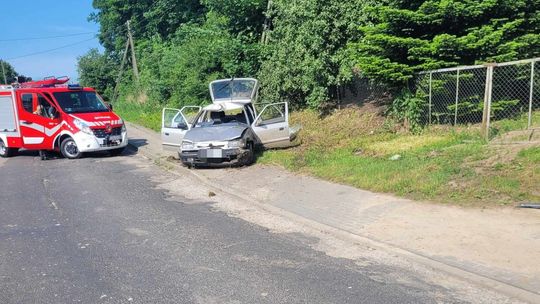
column 50, row 115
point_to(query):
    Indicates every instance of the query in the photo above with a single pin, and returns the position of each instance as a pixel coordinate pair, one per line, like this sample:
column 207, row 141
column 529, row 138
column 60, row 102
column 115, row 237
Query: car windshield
column 80, row 102
column 233, row 89
column 210, row 118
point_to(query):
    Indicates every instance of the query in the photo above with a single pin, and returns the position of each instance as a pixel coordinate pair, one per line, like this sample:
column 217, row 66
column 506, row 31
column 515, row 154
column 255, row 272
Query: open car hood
column 223, row 132
column 239, row 90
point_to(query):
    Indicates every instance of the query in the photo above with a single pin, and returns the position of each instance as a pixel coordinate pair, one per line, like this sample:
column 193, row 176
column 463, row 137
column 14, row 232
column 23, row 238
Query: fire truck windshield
column 80, row 102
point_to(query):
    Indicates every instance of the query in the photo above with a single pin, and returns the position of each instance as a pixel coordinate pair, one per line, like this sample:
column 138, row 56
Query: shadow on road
column 138, row 142
column 129, row 151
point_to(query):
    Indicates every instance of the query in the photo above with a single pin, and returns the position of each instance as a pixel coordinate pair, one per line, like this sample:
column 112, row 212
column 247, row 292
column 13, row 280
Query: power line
column 45, row 37
column 50, row 50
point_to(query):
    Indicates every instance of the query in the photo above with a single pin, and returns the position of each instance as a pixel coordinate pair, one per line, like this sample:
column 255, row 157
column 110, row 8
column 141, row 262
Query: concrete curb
column 453, row 270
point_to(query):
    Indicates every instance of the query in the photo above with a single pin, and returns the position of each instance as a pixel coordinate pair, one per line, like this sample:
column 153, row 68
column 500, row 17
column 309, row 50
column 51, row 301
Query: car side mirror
column 182, row 125
column 110, row 106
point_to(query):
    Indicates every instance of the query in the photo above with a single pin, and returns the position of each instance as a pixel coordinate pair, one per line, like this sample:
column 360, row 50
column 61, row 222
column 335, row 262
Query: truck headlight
column 239, row 143
column 187, row 145
column 82, row 126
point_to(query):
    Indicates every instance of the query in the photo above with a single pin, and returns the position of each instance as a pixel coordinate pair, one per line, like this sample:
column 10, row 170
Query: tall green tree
column 97, row 70
column 245, row 18
column 148, row 18
column 9, row 71
column 405, row 37
column 304, row 62
column 178, row 71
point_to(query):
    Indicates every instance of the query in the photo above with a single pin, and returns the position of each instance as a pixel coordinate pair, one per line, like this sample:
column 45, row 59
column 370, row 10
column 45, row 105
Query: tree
column 244, row 17
column 178, row 71
column 148, row 18
column 304, row 64
column 405, row 37
column 98, row 71
column 9, row 71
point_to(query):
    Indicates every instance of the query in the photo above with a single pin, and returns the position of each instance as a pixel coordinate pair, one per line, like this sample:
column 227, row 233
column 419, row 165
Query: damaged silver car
column 230, row 129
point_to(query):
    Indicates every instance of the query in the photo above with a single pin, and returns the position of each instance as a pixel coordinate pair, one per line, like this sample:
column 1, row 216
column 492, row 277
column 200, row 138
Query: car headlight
column 83, row 126
column 124, row 128
column 236, row 143
column 187, row 145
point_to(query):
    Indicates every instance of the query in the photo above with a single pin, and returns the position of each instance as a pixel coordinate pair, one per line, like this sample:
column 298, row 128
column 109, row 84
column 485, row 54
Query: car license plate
column 115, row 137
column 211, row 153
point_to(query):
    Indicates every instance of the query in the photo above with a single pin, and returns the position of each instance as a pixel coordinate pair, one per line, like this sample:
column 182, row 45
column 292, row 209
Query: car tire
column 5, row 151
column 69, row 149
column 249, row 157
column 116, row 152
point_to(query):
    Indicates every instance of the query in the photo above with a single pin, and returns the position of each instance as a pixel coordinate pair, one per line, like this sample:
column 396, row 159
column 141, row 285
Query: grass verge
column 442, row 164
column 147, row 115
column 447, row 165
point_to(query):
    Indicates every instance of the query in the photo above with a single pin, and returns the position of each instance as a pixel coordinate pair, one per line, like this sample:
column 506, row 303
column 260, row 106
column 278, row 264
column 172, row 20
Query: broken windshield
column 211, row 118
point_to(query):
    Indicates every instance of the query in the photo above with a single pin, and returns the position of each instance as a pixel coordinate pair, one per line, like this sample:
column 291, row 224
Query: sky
column 37, row 19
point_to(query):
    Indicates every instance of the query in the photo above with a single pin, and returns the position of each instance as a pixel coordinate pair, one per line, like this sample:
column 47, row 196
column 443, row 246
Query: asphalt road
column 97, row 230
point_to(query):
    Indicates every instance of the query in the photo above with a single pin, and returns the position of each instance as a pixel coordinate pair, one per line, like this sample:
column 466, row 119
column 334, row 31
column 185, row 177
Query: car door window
column 189, row 113
column 27, row 101
column 44, row 107
column 179, row 118
column 172, row 118
column 274, row 113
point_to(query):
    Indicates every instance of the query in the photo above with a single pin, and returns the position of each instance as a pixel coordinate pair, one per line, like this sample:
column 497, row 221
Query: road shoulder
column 494, row 247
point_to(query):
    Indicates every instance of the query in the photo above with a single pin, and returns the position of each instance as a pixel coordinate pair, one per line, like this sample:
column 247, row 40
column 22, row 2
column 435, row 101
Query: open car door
column 174, row 125
column 272, row 126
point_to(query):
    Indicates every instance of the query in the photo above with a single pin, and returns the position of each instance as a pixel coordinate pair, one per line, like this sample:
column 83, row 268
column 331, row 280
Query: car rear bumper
column 199, row 157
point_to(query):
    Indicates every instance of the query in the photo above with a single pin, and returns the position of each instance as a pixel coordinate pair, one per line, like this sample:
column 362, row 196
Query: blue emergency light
column 74, row 86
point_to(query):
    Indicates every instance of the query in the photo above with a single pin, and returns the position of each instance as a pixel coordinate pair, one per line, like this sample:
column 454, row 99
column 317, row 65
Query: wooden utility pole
column 4, row 72
column 266, row 26
column 124, row 58
column 133, row 57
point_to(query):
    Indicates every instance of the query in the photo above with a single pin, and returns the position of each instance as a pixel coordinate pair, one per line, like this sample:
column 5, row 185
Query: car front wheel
column 69, row 149
column 249, row 156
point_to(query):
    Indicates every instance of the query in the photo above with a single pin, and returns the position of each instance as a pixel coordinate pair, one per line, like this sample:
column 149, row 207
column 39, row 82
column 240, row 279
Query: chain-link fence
column 500, row 97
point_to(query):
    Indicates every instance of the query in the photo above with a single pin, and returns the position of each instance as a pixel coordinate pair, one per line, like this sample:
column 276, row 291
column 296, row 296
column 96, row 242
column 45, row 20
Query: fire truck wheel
column 69, row 149
column 5, row 151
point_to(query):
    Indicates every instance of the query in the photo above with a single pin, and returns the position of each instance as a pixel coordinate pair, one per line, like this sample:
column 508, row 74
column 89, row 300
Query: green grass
column 147, row 115
column 519, row 123
column 451, row 166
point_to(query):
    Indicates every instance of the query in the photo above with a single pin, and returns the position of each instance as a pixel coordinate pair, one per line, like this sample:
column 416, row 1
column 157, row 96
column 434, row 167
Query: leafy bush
column 408, row 109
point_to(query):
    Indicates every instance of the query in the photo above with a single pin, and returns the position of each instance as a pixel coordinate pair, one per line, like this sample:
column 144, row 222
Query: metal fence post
column 531, row 93
column 429, row 111
column 457, row 97
column 486, row 115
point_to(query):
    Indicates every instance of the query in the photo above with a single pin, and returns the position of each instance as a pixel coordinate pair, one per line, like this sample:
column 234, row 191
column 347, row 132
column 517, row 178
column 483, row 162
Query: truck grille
column 102, row 133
